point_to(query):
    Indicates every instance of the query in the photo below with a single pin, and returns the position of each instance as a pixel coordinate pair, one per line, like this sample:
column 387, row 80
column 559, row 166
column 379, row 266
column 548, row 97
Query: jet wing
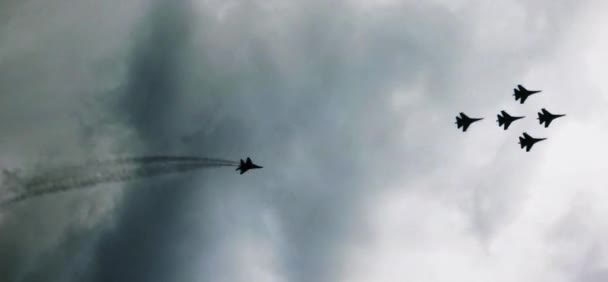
column 528, row 147
column 465, row 126
column 528, row 137
column 521, row 88
column 547, row 122
column 523, row 98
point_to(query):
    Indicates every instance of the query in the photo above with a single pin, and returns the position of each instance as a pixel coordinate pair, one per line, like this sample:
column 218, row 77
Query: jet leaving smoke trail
column 89, row 176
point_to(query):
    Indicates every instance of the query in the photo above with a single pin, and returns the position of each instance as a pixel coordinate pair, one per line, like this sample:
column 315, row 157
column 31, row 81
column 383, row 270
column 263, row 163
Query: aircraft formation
column 505, row 119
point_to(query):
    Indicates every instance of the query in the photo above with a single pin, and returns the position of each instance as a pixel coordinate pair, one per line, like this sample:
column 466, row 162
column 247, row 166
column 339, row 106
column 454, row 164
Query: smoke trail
column 106, row 172
column 44, row 174
column 91, row 164
column 154, row 159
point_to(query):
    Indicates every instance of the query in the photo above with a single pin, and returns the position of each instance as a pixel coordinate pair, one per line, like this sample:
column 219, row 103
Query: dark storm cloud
column 144, row 245
column 271, row 120
column 322, row 107
column 49, row 55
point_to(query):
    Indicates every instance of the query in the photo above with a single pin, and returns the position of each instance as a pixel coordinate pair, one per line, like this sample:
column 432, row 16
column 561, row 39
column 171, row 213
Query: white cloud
column 424, row 238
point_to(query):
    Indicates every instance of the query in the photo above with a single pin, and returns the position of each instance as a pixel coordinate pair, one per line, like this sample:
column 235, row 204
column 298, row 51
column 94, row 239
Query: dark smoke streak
column 88, row 178
column 137, row 160
column 103, row 165
column 153, row 159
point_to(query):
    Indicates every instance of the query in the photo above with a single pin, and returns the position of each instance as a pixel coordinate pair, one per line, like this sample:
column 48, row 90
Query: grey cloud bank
column 349, row 105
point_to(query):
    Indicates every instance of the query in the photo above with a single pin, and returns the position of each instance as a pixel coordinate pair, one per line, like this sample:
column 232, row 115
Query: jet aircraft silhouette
column 247, row 165
column 464, row 121
column 528, row 141
column 546, row 117
column 506, row 119
column 521, row 93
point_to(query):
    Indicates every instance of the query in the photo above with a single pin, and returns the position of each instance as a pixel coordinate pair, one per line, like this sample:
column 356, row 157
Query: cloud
column 349, row 106
column 51, row 85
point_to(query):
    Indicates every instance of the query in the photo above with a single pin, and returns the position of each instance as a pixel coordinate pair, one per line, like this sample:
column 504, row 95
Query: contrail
column 140, row 160
column 103, row 165
column 158, row 159
column 117, row 170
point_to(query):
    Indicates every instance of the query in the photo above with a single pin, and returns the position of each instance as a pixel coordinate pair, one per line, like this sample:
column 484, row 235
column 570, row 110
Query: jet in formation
column 464, row 121
column 247, row 165
column 507, row 119
column 521, row 93
column 528, row 141
column 547, row 117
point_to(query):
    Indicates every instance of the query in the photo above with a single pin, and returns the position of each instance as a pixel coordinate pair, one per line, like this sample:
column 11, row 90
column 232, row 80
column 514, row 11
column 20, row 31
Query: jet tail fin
column 458, row 122
column 501, row 120
column 517, row 94
column 541, row 118
column 521, row 142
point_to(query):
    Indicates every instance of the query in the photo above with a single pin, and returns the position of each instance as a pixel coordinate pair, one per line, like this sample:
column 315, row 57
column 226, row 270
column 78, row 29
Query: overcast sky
column 348, row 105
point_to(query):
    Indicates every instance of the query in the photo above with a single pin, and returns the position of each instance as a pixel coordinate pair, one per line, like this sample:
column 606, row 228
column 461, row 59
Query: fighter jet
column 247, row 165
column 528, row 141
column 546, row 117
column 464, row 121
column 506, row 119
column 522, row 93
